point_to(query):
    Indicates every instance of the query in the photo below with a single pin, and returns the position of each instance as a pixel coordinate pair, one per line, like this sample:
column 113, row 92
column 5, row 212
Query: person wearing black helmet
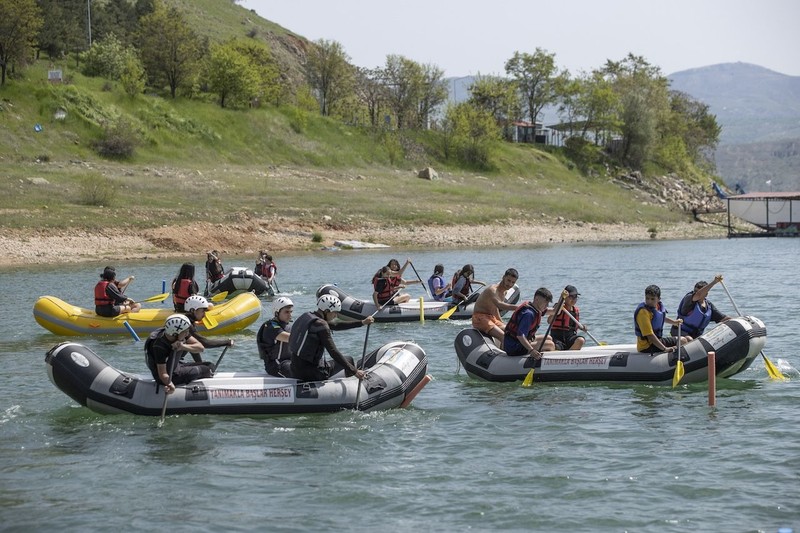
column 311, row 336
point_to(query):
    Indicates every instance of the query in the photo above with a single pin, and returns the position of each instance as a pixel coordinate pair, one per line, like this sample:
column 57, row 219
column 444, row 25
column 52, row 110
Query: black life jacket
column 276, row 351
column 304, row 344
column 214, row 269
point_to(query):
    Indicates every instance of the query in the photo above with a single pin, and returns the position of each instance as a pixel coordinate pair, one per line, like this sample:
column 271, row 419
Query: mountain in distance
column 759, row 113
column 752, row 103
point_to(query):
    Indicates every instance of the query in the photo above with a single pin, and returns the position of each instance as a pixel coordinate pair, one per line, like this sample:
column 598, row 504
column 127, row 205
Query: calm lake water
column 466, row 455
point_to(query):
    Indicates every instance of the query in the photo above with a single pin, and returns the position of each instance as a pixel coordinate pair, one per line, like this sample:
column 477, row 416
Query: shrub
column 583, row 153
column 118, row 141
column 97, row 190
column 316, row 237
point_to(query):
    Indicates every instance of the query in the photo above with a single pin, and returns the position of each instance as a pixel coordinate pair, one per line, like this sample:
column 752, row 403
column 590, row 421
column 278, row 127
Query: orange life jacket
column 565, row 323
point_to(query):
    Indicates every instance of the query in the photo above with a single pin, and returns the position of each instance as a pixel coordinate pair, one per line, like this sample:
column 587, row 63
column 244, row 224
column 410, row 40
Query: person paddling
column 109, row 300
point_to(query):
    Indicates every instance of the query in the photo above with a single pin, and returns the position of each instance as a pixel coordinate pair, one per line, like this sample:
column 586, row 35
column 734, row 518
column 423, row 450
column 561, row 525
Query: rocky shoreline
column 46, row 246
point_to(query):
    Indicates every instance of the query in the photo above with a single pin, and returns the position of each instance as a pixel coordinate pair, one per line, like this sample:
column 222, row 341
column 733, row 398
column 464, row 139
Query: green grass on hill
column 196, row 161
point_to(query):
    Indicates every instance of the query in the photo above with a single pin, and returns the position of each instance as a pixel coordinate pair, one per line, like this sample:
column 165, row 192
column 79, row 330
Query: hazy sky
column 468, row 37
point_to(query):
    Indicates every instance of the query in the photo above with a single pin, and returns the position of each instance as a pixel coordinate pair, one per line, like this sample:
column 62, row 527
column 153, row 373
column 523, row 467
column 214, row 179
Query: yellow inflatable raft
column 62, row 318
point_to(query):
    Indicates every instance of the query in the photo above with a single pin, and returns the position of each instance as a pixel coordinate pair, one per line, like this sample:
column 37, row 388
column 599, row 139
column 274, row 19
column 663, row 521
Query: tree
column 269, row 77
column 694, row 126
column 20, row 21
column 498, row 97
column 644, row 106
column 536, row 79
column 232, row 74
column 469, row 134
column 432, row 93
column 132, row 77
column 170, row 49
column 329, row 74
column 588, row 103
column 106, row 57
column 402, row 78
column 371, row 92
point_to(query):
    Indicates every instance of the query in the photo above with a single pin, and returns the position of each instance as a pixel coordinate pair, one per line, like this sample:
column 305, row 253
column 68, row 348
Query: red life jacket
column 564, row 323
column 385, row 287
column 181, row 292
column 512, row 328
column 266, row 271
column 100, row 296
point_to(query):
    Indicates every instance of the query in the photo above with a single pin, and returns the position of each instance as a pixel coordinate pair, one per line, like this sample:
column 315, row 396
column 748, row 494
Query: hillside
column 268, row 176
column 223, row 20
column 759, row 111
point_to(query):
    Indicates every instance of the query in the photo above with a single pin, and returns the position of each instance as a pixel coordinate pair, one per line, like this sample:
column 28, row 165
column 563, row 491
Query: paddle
column 772, row 370
column 216, row 365
column 528, row 381
column 678, row 364
column 157, row 298
column 447, row 314
column 599, row 343
column 366, row 337
column 209, row 321
column 275, row 282
column 219, row 297
column 419, row 278
column 174, row 361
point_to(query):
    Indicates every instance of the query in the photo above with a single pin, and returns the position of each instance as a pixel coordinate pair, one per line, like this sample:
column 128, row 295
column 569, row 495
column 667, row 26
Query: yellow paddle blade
column 448, row 313
column 209, row 321
column 528, row 381
column 772, row 370
column 219, row 297
column 157, row 298
column 678, row 373
column 603, row 343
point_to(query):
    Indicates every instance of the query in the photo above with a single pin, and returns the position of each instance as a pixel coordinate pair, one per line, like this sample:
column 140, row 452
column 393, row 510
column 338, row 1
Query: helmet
column 280, row 303
column 195, row 301
column 176, row 324
column 329, row 302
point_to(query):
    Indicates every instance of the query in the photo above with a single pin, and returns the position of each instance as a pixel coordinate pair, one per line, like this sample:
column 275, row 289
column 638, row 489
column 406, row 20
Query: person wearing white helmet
column 164, row 348
column 311, row 336
column 195, row 309
column 273, row 338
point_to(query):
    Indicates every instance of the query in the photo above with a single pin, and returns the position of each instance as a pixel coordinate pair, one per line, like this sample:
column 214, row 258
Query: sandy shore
column 21, row 247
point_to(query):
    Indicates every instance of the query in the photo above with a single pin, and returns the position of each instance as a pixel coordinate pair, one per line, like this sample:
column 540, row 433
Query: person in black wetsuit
column 195, row 309
column 164, row 348
column 273, row 339
column 311, row 336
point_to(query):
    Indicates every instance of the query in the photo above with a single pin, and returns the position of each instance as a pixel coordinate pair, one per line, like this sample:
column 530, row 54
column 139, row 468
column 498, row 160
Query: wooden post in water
column 712, row 379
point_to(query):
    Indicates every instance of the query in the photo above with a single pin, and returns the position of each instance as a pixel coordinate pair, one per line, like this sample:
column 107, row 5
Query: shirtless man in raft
column 486, row 316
